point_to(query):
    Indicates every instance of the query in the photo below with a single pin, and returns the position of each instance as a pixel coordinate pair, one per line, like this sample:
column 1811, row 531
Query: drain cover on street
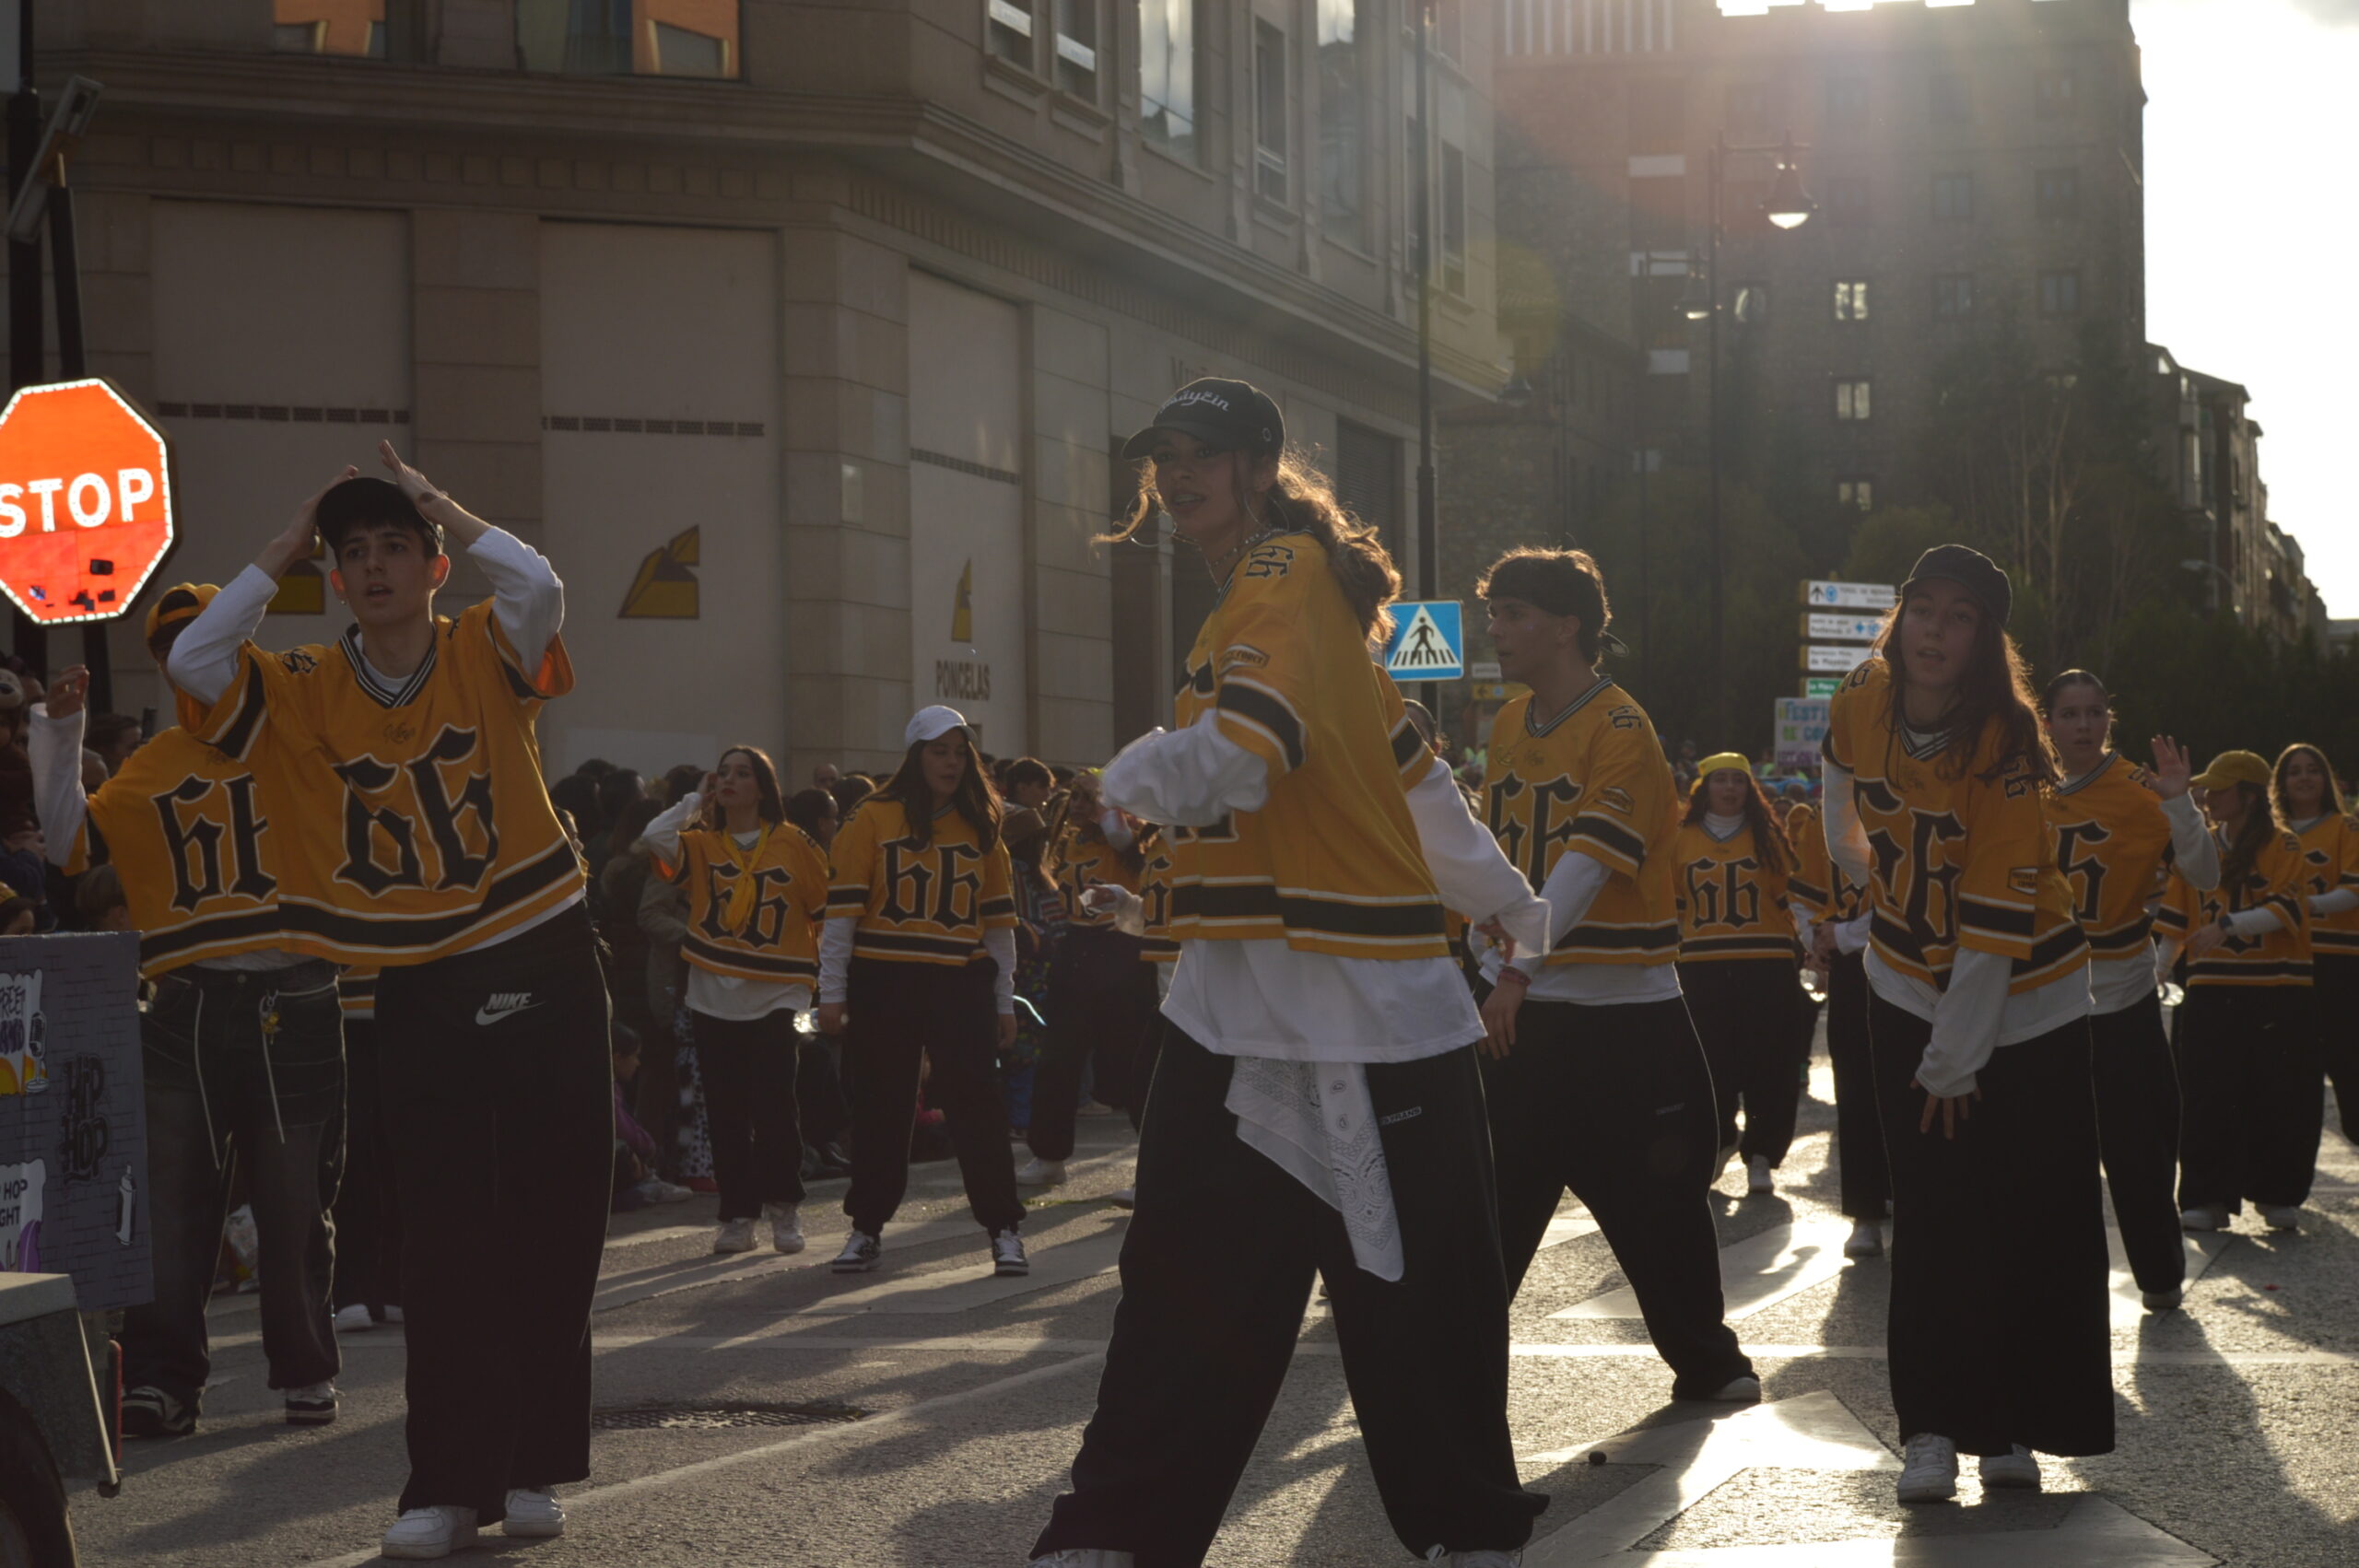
column 633, row 1418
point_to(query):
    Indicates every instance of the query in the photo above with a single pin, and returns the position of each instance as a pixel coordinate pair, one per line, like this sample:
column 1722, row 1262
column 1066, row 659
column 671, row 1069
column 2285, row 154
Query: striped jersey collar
column 381, row 688
column 1532, row 725
column 2091, row 776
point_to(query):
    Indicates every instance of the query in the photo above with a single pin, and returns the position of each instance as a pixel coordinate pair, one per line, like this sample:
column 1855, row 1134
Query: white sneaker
column 1488, row 1557
column 354, row 1320
column 1757, row 1180
column 2161, row 1301
column 1094, row 1107
column 860, row 1254
column 425, row 1533
column 393, row 1315
column 786, row 1226
column 2204, row 1217
column 1743, row 1391
column 1929, row 1471
column 2281, row 1216
column 656, row 1189
column 534, row 1512
column 1040, row 1173
column 735, row 1235
column 1727, row 1153
column 1007, row 1255
column 1866, row 1240
column 2016, row 1469
column 312, row 1405
column 1125, row 1197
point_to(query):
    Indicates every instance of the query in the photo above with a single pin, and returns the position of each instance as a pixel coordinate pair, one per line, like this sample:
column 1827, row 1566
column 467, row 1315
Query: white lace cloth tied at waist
column 1317, row 1121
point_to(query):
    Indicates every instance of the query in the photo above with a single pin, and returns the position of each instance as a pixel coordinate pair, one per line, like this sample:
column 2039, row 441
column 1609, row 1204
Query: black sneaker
column 152, row 1413
column 1007, row 1255
column 860, row 1254
column 312, row 1405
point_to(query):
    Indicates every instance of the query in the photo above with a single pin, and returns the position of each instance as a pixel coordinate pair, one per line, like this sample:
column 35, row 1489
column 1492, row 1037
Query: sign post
column 1839, row 620
column 1428, row 641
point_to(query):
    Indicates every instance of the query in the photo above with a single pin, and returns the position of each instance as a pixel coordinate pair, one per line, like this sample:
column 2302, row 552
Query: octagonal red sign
column 85, row 501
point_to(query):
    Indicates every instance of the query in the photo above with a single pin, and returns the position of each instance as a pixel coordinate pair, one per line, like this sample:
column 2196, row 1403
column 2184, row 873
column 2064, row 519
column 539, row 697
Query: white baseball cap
column 931, row 722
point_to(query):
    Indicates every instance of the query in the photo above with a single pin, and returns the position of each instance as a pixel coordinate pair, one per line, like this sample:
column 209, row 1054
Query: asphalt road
column 2239, row 1416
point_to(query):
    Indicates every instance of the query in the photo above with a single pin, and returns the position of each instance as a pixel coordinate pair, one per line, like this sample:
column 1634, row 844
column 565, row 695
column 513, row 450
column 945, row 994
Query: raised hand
column 411, row 483
column 69, row 692
column 2172, row 767
column 295, row 543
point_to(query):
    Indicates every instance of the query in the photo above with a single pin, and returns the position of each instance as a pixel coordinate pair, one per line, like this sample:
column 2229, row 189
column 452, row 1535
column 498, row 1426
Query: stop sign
column 85, row 501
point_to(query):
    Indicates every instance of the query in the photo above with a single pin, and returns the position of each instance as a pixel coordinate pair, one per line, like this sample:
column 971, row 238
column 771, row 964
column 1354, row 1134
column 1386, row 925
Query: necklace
column 1230, row 556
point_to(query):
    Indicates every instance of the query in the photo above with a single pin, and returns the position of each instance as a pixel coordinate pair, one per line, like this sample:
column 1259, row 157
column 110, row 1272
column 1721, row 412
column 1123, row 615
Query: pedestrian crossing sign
column 1428, row 641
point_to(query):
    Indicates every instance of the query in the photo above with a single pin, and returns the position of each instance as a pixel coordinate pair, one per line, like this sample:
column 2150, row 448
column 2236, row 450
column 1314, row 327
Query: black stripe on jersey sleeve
column 517, row 682
column 1304, row 911
column 847, row 899
column 695, row 946
column 1627, row 939
column 238, row 737
column 991, row 906
column 2171, row 920
column 1611, row 834
column 2052, row 950
column 1804, row 892
column 2335, row 942
column 1267, row 709
column 1994, row 918
column 2123, row 938
column 1406, row 744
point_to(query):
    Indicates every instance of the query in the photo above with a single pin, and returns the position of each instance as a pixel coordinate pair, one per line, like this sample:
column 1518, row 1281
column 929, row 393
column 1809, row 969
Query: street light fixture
column 1789, row 206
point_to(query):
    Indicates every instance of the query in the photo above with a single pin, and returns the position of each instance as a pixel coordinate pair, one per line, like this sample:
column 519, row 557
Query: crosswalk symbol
column 1428, row 641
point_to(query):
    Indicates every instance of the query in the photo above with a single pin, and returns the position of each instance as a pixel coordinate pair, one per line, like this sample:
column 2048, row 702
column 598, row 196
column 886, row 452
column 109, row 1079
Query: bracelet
column 1509, row 972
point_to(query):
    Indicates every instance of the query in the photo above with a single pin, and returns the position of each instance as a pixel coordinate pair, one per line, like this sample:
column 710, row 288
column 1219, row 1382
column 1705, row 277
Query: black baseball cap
column 1232, row 415
column 364, row 502
column 1970, row 569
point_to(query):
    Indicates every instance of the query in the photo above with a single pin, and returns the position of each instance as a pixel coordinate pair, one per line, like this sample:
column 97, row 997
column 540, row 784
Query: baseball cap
column 182, row 602
column 1970, row 569
column 1232, row 415
column 2233, row 767
column 929, row 722
column 364, row 502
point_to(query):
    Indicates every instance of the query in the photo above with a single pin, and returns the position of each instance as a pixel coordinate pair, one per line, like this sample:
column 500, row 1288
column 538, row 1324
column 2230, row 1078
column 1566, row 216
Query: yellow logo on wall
column 304, row 589
column 666, row 589
column 962, row 612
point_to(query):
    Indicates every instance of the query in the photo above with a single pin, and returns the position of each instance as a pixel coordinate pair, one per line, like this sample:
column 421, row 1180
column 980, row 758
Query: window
column 1953, row 296
column 646, row 38
column 1852, row 300
column 1453, row 220
column 1953, row 196
column 1860, row 493
column 1851, row 399
column 1747, row 107
column 325, row 27
column 2056, row 95
column 1367, row 480
column 1270, row 111
column 1749, row 302
column 1078, row 48
column 1450, row 28
column 1343, row 119
column 2060, row 293
column 1007, row 28
column 1949, row 100
column 1167, row 75
column 2060, row 192
column 1847, row 199
column 1847, row 101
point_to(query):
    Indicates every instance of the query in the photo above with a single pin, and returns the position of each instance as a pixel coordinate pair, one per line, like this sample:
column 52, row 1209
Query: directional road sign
column 1849, row 595
column 1820, row 686
column 1820, row 627
column 1836, row 659
column 1428, row 641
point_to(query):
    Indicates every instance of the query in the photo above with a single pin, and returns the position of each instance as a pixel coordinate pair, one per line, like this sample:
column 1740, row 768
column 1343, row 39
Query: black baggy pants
column 2137, row 1114
column 1101, row 997
column 1744, row 1011
column 2256, row 1095
column 368, row 1212
column 501, row 1115
column 1201, row 1344
column 903, row 1014
column 243, row 1068
column 749, row 1067
column 2335, row 984
column 2000, row 1329
column 1614, row 1102
column 1858, row 1126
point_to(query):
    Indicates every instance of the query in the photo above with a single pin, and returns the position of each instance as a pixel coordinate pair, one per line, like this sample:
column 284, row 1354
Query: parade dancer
column 2117, row 827
column 431, row 851
column 1317, row 1106
column 1831, row 922
column 1977, row 1018
column 2305, row 794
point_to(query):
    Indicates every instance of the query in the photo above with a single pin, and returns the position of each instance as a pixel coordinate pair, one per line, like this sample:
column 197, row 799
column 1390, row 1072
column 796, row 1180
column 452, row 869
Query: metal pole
column 1428, row 551
column 25, row 334
column 1639, row 440
column 65, row 274
column 1712, row 351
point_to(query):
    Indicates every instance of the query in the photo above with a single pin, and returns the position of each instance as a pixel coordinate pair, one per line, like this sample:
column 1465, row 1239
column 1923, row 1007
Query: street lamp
column 1787, row 206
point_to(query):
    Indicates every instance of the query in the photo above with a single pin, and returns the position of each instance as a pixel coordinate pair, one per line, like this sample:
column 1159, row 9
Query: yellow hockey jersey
column 1085, row 860
column 919, row 905
column 1818, row 887
column 1155, row 895
column 777, row 937
column 2112, row 844
column 1332, row 863
column 1959, row 862
column 1731, row 904
column 2331, row 860
column 1591, row 778
column 197, row 837
column 2281, row 957
column 417, row 821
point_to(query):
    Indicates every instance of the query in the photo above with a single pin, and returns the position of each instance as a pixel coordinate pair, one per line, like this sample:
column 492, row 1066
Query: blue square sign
column 1428, row 641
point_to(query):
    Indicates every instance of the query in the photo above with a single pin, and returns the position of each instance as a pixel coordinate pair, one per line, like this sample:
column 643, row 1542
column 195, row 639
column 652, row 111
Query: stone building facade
column 800, row 335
